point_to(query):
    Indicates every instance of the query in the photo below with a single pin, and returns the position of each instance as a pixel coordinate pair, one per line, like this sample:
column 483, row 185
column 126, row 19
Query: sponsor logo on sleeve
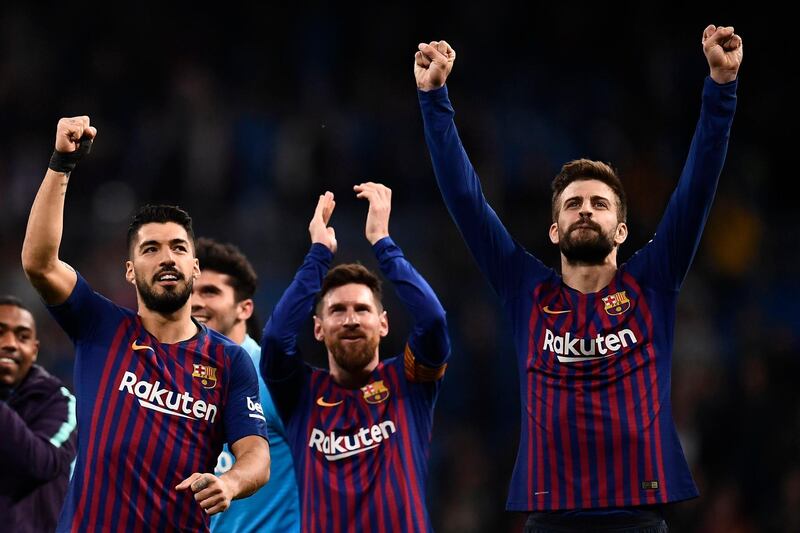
column 256, row 411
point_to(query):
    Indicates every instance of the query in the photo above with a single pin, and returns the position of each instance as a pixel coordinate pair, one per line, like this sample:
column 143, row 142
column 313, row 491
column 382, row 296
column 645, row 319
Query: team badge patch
column 206, row 374
column 616, row 304
column 375, row 392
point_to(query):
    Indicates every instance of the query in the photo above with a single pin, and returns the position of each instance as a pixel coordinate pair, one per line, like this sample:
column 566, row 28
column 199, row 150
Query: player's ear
column 245, row 308
column 318, row 329
column 621, row 235
column 130, row 275
column 553, row 233
column 196, row 269
column 384, row 324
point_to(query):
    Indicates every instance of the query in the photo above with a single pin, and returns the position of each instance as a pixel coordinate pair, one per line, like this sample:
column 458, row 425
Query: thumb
column 332, row 235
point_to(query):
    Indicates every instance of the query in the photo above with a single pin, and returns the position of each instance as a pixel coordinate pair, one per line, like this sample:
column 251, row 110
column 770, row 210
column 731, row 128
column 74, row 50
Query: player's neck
column 169, row 328
column 349, row 379
column 589, row 278
column 238, row 332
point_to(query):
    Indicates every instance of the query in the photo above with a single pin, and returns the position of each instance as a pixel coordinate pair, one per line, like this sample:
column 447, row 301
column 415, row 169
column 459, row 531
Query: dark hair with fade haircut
column 350, row 273
column 226, row 258
column 7, row 299
column 586, row 169
column 159, row 214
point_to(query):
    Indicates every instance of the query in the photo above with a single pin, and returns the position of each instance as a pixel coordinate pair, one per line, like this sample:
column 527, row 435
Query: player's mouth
column 585, row 226
column 8, row 362
column 352, row 337
column 168, row 278
column 203, row 319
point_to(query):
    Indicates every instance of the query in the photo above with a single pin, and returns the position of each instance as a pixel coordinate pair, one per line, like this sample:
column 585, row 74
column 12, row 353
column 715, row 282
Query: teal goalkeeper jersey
column 275, row 507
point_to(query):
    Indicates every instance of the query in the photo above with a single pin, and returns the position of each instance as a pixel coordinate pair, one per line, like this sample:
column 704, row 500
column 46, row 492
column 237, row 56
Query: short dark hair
column 7, row 299
column 586, row 169
column 350, row 273
column 159, row 214
column 226, row 258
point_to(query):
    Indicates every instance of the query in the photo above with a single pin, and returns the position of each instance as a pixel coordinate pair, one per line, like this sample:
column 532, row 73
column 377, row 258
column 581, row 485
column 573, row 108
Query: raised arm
column 428, row 342
column 499, row 257
column 280, row 364
column 670, row 253
column 50, row 276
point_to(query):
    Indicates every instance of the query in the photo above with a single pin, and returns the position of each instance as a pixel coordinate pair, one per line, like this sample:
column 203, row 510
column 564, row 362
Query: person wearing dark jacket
column 37, row 428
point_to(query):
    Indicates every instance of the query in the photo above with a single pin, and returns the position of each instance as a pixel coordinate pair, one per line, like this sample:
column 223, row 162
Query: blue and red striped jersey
column 360, row 454
column 149, row 415
column 597, row 428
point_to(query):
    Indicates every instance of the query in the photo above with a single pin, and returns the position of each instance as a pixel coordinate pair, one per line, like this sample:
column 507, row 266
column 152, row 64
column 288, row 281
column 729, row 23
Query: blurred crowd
column 243, row 117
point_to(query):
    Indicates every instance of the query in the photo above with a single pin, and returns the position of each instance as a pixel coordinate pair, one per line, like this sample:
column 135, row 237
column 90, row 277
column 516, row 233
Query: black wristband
column 66, row 161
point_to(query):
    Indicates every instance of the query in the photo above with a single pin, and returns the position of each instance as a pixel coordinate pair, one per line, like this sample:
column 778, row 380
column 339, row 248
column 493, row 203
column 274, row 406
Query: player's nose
column 8, row 342
column 167, row 258
column 351, row 319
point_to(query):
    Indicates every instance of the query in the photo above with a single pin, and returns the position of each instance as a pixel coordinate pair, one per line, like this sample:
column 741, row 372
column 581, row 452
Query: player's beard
column 353, row 357
column 170, row 299
column 584, row 243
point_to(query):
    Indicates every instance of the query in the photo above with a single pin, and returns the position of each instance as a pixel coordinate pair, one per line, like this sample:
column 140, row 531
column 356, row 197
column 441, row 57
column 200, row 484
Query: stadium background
column 244, row 115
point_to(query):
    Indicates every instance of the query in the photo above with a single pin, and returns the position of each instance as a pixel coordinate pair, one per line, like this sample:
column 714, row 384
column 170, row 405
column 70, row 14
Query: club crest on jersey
column 616, row 304
column 375, row 392
column 206, row 374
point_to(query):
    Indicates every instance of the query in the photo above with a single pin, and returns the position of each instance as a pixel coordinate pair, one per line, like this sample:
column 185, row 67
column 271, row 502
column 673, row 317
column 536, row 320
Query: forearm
column 251, row 470
column 47, row 273
column 297, row 302
column 45, row 224
column 454, row 171
column 31, row 454
column 489, row 241
column 688, row 209
column 429, row 335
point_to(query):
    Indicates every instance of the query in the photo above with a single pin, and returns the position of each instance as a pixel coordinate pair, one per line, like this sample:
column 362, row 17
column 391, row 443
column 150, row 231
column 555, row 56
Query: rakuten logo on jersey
column 152, row 396
column 337, row 447
column 571, row 349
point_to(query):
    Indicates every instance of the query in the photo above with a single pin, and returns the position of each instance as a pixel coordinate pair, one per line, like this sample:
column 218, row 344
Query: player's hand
column 723, row 50
column 432, row 64
column 212, row 493
column 380, row 205
column 318, row 227
column 69, row 132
